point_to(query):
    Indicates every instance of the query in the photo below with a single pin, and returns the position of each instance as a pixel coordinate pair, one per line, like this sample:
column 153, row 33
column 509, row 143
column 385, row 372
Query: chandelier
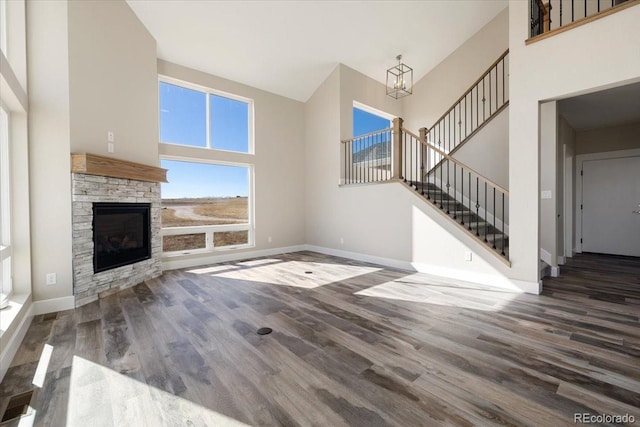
column 399, row 80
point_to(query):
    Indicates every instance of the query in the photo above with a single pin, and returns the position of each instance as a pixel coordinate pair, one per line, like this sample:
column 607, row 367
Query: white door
column 610, row 199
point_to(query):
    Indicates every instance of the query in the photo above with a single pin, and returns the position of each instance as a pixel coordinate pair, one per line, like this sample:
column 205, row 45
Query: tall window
column 207, row 203
column 5, row 209
column 205, row 206
column 203, row 118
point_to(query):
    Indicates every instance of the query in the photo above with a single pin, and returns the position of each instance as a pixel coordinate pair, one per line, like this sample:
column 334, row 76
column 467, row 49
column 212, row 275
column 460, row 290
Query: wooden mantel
column 92, row 164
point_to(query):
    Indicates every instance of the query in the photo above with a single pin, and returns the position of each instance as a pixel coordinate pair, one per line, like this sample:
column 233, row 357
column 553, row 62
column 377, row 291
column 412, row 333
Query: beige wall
column 442, row 86
column 92, row 68
column 49, row 148
column 112, row 82
column 488, row 151
column 278, row 159
column 614, row 138
column 566, row 187
column 548, row 182
column 595, row 56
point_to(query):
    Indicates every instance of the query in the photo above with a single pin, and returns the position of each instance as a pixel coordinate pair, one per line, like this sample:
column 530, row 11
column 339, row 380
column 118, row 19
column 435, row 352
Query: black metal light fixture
column 399, row 80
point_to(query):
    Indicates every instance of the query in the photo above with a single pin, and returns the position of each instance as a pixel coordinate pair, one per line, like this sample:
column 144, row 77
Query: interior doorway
column 610, row 200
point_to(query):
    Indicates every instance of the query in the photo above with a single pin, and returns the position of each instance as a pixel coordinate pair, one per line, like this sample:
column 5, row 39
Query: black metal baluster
column 489, row 93
column 470, row 211
column 477, row 105
column 486, row 216
column 466, row 128
column 462, row 193
column 477, row 205
column 484, row 98
column 494, row 217
column 560, row 12
column 572, row 12
column 504, row 88
column 585, row 8
column 503, row 226
column 471, row 115
column 459, row 122
column 455, row 175
column 448, row 186
column 441, row 185
column 598, row 6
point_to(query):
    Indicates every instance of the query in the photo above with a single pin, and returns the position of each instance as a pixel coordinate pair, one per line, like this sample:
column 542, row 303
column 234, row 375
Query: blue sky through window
column 365, row 122
column 229, row 124
column 183, row 116
column 198, row 180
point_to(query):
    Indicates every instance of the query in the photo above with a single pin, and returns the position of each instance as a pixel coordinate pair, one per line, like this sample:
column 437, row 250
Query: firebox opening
column 121, row 234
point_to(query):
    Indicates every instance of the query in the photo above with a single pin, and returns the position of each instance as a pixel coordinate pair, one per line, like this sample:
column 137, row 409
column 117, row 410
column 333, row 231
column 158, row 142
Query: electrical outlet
column 52, row 278
column 111, row 147
column 468, row 256
column 545, row 194
column 110, row 136
column 269, row 239
column 342, row 240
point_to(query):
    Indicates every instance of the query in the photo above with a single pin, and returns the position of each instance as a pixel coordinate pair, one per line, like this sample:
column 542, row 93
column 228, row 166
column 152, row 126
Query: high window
column 367, row 120
column 204, row 118
column 207, row 205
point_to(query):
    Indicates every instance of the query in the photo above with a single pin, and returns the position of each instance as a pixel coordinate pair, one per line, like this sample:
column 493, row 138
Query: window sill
column 167, row 255
column 9, row 314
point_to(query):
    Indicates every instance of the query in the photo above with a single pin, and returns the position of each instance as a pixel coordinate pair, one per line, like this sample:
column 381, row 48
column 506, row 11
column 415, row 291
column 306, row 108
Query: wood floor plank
column 352, row 344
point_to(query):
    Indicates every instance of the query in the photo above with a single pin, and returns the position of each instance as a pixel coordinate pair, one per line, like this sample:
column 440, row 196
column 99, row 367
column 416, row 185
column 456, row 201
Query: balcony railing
column 549, row 16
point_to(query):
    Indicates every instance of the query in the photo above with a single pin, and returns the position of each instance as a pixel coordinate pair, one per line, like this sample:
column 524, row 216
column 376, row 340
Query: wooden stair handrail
column 459, row 163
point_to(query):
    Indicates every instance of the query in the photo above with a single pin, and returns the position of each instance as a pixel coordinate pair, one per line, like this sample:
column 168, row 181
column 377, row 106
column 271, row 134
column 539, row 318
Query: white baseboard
column 501, row 282
column 555, row 271
column 386, row 262
column 174, row 263
column 561, row 260
column 12, row 346
column 492, row 280
column 496, row 281
column 546, row 256
column 54, row 304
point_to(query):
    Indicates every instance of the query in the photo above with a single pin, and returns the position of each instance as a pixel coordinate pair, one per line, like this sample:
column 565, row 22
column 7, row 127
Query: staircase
column 426, row 162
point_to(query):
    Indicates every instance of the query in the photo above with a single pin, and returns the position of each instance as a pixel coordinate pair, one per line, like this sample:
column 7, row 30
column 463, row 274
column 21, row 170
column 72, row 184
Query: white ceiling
column 290, row 47
column 610, row 107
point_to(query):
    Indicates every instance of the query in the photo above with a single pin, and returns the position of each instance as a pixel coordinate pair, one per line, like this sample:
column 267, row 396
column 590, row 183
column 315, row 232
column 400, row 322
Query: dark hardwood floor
column 352, row 344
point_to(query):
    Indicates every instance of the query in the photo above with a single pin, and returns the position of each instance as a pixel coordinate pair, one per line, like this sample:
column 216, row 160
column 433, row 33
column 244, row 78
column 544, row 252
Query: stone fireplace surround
column 89, row 185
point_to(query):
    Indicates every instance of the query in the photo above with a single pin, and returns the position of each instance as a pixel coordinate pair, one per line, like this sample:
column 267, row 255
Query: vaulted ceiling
column 290, row 47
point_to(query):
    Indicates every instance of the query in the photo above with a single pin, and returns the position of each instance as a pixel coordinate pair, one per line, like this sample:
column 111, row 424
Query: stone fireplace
column 108, row 250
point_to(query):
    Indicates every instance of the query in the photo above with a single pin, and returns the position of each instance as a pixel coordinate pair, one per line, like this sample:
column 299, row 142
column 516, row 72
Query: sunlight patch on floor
column 423, row 288
column 99, row 396
column 301, row 274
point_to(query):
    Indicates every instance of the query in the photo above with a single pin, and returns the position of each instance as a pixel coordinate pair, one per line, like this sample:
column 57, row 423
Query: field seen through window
column 204, row 211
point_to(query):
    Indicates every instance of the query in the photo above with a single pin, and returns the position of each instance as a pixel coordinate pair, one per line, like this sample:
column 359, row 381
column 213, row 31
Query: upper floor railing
column 551, row 15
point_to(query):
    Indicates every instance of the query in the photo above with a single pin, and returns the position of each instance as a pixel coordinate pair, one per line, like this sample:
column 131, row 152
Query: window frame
column 209, row 91
column 210, row 230
column 6, row 248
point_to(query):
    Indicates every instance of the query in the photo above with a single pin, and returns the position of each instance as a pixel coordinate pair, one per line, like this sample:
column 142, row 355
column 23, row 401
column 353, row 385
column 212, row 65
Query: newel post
column 546, row 12
column 397, row 148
